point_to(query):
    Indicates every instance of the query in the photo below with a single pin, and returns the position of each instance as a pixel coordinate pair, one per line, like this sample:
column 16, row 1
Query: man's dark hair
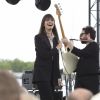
column 89, row 29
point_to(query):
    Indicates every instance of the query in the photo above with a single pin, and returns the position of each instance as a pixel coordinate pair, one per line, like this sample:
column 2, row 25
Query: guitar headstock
column 57, row 10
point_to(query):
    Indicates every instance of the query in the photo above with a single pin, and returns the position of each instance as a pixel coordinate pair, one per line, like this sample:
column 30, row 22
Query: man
column 80, row 94
column 88, row 64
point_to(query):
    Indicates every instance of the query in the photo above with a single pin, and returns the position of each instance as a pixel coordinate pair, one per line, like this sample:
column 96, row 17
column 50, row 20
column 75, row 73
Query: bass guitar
column 69, row 59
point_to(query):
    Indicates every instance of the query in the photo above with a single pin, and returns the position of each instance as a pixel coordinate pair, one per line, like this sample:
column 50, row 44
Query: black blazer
column 46, row 67
column 89, row 59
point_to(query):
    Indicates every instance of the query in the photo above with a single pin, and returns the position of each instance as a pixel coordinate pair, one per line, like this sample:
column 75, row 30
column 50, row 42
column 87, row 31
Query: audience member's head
column 24, row 96
column 96, row 97
column 9, row 87
column 80, row 94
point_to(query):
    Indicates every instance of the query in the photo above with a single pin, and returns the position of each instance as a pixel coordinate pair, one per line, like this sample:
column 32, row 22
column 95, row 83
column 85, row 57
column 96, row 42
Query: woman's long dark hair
column 42, row 28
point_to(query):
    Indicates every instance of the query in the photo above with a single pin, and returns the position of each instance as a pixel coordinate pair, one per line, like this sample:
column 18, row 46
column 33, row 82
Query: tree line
column 16, row 65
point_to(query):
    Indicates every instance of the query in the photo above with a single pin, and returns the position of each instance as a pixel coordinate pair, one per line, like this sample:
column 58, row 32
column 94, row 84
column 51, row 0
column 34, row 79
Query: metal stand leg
column 69, row 82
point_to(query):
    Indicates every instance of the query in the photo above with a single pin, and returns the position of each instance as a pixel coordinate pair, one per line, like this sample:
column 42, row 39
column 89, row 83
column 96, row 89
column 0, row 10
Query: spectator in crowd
column 10, row 88
column 96, row 96
column 80, row 94
column 28, row 96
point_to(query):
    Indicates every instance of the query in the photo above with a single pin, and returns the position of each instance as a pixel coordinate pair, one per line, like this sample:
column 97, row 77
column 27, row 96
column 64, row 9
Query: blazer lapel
column 46, row 41
column 54, row 42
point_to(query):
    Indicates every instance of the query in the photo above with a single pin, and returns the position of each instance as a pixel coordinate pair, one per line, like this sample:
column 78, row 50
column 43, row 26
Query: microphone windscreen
column 13, row 2
column 42, row 4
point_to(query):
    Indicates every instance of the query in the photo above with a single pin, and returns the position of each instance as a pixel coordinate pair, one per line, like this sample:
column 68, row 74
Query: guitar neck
column 61, row 27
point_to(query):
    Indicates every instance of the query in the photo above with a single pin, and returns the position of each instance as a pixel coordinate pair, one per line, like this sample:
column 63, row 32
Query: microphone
column 13, row 2
column 74, row 40
column 42, row 4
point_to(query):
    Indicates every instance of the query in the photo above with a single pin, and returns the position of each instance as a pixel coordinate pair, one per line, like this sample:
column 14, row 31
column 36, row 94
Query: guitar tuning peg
column 58, row 3
column 61, row 10
column 60, row 6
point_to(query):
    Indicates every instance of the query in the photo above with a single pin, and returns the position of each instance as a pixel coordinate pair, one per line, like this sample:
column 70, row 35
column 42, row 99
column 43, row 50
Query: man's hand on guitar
column 67, row 43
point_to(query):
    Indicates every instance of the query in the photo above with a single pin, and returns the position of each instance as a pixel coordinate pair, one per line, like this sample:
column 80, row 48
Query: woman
column 46, row 74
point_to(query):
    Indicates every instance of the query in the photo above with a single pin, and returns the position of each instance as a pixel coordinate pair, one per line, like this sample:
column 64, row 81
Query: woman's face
column 49, row 24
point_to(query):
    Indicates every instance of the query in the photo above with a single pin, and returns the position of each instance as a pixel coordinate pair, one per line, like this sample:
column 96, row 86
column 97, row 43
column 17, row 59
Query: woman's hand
column 59, row 46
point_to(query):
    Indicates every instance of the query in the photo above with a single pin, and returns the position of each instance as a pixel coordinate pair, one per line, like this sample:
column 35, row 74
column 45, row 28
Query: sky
column 21, row 22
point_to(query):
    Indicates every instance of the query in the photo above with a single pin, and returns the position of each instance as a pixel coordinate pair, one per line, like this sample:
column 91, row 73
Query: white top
column 51, row 40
